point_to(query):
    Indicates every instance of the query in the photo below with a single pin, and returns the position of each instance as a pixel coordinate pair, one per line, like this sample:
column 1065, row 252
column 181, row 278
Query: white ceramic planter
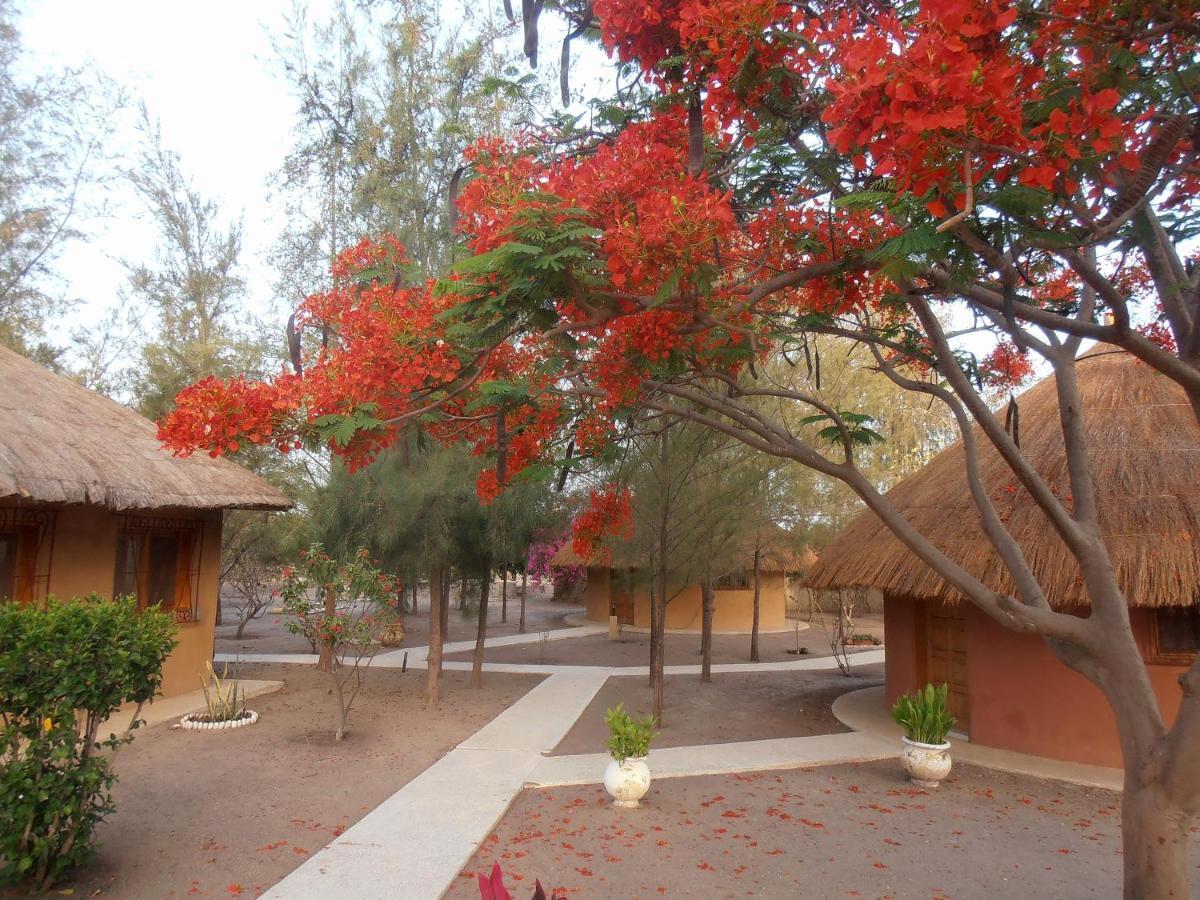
column 197, row 722
column 926, row 764
column 627, row 781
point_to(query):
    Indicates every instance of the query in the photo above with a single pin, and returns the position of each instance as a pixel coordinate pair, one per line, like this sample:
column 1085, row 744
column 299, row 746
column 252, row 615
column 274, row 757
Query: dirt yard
column 633, row 649
column 837, row 831
column 733, row 707
column 223, row 814
column 268, row 634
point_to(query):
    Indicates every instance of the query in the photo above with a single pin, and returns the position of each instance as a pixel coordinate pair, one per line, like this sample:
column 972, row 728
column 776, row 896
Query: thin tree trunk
column 340, row 734
column 220, row 593
column 444, row 607
column 524, row 585
column 757, row 599
column 653, row 632
column 656, row 675
column 434, row 660
column 462, row 595
column 325, row 660
column 1155, row 841
column 416, row 581
column 241, row 627
column 503, row 596
column 708, row 594
column 481, row 632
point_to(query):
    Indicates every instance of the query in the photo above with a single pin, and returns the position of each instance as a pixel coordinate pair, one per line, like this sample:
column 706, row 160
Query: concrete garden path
column 414, row 844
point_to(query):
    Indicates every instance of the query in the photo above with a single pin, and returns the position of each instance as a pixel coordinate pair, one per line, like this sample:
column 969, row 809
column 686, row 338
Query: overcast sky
column 207, row 71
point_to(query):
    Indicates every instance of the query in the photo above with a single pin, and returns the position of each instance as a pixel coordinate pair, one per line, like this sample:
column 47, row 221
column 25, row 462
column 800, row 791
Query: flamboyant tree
column 903, row 177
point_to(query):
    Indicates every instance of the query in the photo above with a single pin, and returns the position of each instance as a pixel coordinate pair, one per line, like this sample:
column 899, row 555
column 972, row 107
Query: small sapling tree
column 342, row 608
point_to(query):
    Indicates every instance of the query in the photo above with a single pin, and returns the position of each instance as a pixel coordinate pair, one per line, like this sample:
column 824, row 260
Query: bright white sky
column 207, row 71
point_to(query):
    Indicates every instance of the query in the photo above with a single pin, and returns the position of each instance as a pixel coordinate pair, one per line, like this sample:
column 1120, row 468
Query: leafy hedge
column 65, row 667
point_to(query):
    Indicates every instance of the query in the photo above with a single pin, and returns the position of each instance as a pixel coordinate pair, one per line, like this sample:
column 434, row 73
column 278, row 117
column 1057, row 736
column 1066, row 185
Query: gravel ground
column 732, row 707
column 835, row 831
column 230, row 813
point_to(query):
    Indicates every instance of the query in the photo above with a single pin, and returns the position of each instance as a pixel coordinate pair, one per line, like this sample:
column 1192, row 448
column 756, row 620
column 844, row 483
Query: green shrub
column 925, row 715
column 65, row 667
column 629, row 738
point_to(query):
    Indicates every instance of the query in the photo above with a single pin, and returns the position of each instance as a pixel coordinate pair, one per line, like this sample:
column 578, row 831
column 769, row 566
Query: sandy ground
column 732, row 707
column 838, row 831
column 268, row 634
column 682, row 649
column 212, row 815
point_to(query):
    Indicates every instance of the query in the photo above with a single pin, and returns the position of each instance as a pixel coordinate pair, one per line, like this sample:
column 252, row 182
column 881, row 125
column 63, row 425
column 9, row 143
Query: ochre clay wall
column 83, row 561
column 902, row 661
column 596, row 595
column 1022, row 698
column 733, row 610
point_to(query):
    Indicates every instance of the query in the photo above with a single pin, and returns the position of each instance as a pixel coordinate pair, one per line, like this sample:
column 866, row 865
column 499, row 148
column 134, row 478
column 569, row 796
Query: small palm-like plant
column 925, row 714
column 221, row 696
column 629, row 738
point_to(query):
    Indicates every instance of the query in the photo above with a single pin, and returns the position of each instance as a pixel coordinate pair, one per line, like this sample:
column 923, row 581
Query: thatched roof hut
column 1144, row 443
column 782, row 553
column 61, row 443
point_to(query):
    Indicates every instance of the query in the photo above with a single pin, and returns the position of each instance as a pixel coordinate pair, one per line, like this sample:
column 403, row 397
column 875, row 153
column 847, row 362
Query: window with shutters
column 1175, row 635
column 158, row 562
column 26, row 542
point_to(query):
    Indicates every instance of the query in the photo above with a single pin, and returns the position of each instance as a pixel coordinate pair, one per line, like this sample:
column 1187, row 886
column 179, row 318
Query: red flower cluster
column 1006, row 367
column 608, row 514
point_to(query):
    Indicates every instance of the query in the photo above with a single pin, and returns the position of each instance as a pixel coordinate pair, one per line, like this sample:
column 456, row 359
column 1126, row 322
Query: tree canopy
column 906, row 178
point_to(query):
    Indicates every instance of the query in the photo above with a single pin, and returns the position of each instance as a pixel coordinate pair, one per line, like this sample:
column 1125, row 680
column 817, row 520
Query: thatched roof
column 1144, row 443
column 781, row 553
column 61, row 443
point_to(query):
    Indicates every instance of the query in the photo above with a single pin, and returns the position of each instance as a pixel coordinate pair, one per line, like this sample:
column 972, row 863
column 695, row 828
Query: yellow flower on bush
column 47, row 724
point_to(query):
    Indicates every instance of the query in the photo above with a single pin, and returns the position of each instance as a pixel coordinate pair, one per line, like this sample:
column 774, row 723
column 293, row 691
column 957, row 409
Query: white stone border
column 193, row 722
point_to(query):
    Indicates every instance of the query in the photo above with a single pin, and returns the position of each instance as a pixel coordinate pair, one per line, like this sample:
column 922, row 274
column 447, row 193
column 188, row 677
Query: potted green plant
column 925, row 717
column 627, row 777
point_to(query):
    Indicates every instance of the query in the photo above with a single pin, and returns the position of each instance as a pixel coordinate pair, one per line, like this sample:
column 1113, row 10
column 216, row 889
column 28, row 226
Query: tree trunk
column 653, row 632
column 1155, row 838
column 481, row 632
column 503, row 597
column 340, row 734
column 757, row 599
column 444, row 607
column 524, row 585
column 434, row 660
column 462, row 595
column 325, row 660
column 241, row 627
column 706, row 629
column 220, row 593
column 657, row 636
column 416, row 581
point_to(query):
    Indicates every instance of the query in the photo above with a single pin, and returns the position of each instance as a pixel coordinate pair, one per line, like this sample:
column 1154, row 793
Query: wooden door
column 946, row 660
column 622, row 602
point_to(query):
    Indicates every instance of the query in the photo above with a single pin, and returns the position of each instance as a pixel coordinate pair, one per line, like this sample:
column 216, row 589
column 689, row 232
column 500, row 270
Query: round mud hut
column 1007, row 689
column 619, row 587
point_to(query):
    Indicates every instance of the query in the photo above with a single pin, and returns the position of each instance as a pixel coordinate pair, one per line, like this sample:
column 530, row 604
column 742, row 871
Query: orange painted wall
column 83, row 561
column 596, row 595
column 733, row 610
column 1022, row 698
column 901, row 663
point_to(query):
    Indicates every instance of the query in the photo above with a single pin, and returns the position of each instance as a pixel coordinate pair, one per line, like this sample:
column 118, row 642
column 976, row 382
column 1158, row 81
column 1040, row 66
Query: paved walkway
column 725, row 759
column 415, row 843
